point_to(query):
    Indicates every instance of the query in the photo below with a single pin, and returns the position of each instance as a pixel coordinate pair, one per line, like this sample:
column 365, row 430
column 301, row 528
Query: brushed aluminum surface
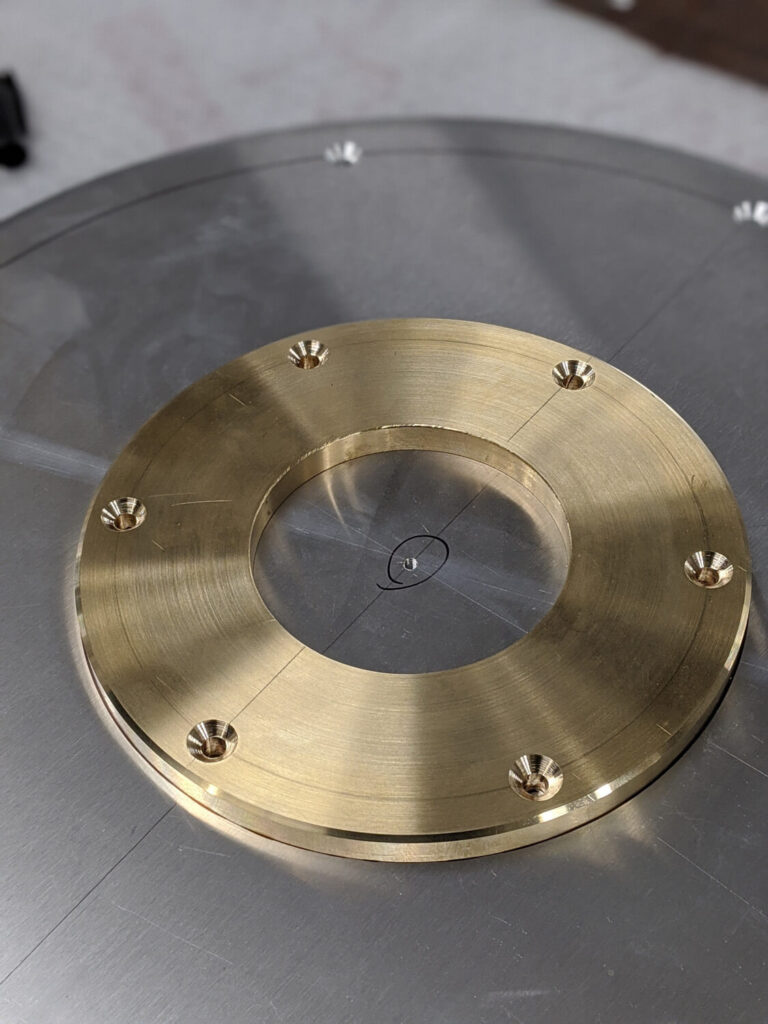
column 120, row 906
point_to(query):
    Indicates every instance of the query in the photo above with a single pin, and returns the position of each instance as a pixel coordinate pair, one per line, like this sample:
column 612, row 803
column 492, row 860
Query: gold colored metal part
column 606, row 690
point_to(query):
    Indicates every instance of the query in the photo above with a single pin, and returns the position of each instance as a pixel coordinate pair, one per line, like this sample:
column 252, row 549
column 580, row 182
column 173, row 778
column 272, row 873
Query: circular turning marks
column 535, row 777
column 211, row 740
column 123, row 514
column 708, row 569
column 308, row 354
column 573, row 374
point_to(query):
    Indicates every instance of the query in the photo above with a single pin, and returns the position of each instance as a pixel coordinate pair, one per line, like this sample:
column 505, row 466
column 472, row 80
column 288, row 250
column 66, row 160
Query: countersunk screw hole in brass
column 123, row 514
column 308, row 354
column 343, row 154
column 573, row 374
column 708, row 569
column 535, row 777
column 211, row 740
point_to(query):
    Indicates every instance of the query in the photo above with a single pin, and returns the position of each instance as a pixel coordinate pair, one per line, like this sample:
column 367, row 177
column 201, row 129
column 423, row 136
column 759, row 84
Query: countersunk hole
column 344, row 154
column 211, row 740
column 573, row 374
column 535, row 777
column 708, row 569
column 123, row 514
column 308, row 354
column 410, row 563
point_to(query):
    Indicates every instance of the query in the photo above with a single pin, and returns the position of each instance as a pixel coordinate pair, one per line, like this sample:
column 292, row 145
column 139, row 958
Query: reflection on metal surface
column 491, row 561
column 709, row 569
column 748, row 212
column 346, row 153
column 212, row 740
column 308, row 354
column 609, row 687
column 536, row 777
column 123, row 514
column 573, row 374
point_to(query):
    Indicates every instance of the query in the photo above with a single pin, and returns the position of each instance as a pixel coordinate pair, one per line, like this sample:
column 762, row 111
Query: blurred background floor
column 113, row 82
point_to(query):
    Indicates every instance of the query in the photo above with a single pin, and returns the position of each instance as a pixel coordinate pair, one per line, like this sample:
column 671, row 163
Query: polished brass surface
column 563, row 725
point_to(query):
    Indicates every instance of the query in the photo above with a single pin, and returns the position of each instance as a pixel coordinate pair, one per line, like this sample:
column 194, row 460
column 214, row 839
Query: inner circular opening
column 413, row 561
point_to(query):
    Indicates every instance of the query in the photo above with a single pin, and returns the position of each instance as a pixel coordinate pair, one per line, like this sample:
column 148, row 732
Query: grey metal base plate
column 119, row 905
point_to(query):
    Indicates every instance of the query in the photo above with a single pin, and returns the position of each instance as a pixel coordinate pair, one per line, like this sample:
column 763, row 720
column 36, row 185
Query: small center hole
column 536, row 777
column 708, row 569
column 123, row 514
column 535, row 784
column 214, row 746
column 573, row 374
column 125, row 521
column 308, row 354
column 493, row 568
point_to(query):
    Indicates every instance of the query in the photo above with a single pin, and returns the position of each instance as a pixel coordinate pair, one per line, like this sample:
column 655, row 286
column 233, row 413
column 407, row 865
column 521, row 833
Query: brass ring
column 553, row 731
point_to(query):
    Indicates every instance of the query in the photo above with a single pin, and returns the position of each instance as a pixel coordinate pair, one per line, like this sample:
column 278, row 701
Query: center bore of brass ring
column 410, row 438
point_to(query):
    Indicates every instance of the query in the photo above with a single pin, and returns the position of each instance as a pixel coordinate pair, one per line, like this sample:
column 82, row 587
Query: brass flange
column 275, row 737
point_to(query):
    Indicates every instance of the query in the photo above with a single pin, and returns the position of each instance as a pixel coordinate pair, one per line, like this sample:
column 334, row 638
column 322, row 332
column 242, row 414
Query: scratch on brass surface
column 264, row 687
column 203, row 501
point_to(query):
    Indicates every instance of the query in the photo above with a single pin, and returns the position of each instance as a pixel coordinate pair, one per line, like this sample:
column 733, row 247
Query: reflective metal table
column 119, row 904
